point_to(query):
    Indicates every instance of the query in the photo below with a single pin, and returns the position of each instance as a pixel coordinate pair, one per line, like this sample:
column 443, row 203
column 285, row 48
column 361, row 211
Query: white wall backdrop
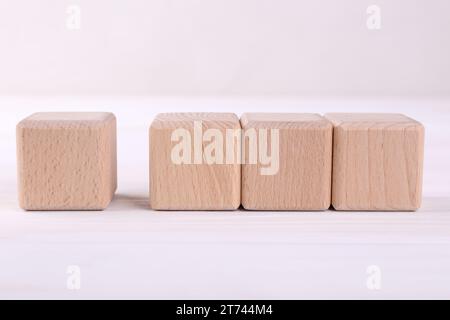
column 224, row 47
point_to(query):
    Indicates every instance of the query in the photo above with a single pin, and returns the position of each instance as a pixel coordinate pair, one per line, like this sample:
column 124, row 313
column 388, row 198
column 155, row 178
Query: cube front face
column 67, row 161
column 377, row 162
column 193, row 184
column 303, row 180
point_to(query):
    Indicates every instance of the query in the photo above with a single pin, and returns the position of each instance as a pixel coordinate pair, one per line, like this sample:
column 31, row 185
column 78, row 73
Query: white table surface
column 129, row 251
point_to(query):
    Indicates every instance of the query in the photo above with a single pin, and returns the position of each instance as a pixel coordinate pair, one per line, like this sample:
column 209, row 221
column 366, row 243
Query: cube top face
column 303, row 153
column 377, row 162
column 193, row 183
column 284, row 120
column 67, row 161
column 67, row 120
column 186, row 119
column 392, row 121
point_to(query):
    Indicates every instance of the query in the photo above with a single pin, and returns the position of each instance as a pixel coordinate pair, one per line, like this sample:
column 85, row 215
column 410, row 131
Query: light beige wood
column 191, row 186
column 67, row 161
column 377, row 162
column 303, row 181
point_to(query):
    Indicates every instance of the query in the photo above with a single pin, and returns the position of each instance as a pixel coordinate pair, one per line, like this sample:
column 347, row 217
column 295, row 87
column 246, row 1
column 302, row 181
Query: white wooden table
column 129, row 251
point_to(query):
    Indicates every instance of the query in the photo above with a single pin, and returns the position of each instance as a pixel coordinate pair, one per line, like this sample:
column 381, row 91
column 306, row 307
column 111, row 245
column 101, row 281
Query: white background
column 225, row 47
column 137, row 58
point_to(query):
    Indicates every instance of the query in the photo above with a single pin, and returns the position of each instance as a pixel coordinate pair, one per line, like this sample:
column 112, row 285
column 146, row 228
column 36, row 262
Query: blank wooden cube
column 194, row 183
column 67, row 161
column 303, row 180
column 377, row 162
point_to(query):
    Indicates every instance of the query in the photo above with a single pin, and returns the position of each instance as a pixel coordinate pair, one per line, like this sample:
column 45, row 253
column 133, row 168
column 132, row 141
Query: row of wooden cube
column 370, row 162
column 67, row 161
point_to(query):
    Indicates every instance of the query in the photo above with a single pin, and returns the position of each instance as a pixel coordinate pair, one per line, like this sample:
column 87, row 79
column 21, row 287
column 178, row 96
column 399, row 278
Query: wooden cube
column 189, row 162
column 67, row 161
column 377, row 162
column 303, row 178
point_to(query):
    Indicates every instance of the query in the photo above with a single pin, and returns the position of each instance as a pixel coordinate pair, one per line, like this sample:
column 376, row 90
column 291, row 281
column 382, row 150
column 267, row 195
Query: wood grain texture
column 67, row 161
column 191, row 186
column 303, row 181
column 377, row 162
